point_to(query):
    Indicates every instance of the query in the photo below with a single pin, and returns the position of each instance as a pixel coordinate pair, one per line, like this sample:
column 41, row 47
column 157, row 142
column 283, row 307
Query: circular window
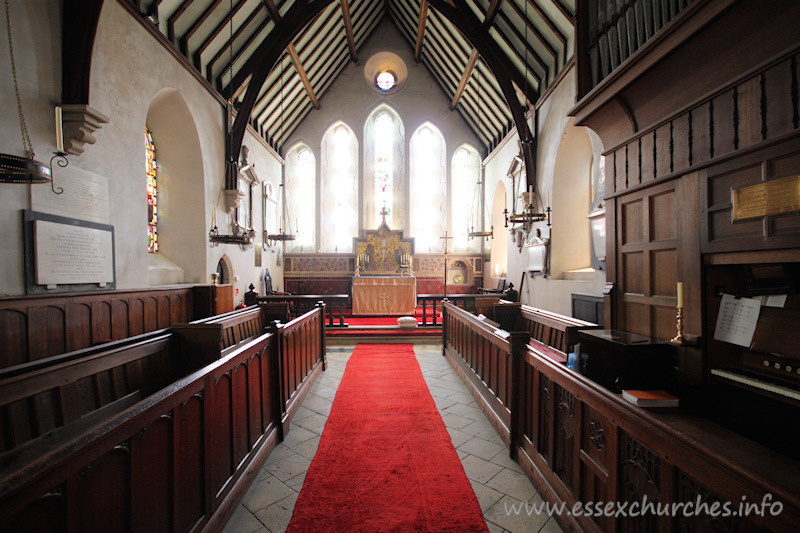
column 385, row 73
column 385, row 80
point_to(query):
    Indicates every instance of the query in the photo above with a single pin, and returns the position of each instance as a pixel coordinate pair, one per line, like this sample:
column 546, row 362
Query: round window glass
column 385, row 80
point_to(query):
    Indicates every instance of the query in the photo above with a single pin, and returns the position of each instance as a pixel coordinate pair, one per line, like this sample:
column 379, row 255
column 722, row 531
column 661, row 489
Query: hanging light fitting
column 17, row 169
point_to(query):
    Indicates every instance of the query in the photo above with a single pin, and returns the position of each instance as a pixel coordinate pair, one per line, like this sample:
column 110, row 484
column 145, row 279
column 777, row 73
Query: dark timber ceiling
column 218, row 37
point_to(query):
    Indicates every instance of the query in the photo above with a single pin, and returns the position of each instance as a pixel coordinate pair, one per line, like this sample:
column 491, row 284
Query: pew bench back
column 552, row 329
column 82, row 390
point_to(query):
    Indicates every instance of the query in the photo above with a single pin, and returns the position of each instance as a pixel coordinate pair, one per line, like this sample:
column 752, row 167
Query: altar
column 384, row 295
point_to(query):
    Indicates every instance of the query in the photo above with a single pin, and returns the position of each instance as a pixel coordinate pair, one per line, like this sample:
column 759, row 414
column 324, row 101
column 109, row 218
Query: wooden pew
column 41, row 326
column 579, row 442
column 174, row 456
column 235, row 326
column 81, row 390
column 551, row 329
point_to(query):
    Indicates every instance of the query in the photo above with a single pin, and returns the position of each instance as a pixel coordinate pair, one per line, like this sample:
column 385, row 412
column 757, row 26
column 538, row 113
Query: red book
column 650, row 398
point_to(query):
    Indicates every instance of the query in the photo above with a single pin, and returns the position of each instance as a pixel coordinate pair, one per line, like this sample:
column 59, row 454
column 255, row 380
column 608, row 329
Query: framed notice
column 773, row 197
column 66, row 254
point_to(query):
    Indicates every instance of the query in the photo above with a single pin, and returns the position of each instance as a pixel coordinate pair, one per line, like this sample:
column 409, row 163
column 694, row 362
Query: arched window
column 467, row 197
column 339, row 200
column 152, row 193
column 301, row 197
column 383, row 168
column 428, row 189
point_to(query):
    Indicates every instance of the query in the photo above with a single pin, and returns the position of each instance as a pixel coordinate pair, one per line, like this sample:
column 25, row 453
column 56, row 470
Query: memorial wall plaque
column 65, row 254
column 772, row 197
column 85, row 196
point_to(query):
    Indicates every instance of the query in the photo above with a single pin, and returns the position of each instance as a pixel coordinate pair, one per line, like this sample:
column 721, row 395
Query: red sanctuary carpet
column 385, row 461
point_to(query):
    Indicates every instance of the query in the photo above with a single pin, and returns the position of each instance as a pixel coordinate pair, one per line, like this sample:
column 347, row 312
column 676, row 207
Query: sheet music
column 736, row 322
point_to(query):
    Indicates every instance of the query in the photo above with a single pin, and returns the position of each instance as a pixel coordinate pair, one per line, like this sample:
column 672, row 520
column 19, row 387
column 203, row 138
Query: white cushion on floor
column 408, row 322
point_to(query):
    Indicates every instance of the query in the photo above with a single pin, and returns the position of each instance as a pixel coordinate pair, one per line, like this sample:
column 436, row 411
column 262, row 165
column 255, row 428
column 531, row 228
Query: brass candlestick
column 678, row 338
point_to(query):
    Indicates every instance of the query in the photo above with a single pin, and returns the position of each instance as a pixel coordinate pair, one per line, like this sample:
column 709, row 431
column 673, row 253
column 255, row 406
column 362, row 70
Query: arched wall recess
column 499, row 250
column 182, row 234
column 572, row 198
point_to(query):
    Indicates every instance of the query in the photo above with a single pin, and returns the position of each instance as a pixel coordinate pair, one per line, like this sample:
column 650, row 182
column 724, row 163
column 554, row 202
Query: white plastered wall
column 129, row 68
column 547, row 293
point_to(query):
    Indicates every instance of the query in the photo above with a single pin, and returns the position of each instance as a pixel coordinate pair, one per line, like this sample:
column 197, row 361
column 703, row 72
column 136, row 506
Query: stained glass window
column 152, row 193
column 339, row 202
column 301, row 198
column 428, row 189
column 467, row 198
column 384, row 183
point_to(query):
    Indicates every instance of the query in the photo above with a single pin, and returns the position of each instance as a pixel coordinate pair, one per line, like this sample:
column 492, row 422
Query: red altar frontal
column 384, row 295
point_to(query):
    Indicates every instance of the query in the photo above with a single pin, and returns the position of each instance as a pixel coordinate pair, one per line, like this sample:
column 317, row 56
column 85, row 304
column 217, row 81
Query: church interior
column 577, row 221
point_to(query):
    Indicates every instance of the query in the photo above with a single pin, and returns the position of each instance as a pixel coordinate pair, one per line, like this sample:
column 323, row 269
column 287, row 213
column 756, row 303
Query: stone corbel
column 233, row 200
column 79, row 124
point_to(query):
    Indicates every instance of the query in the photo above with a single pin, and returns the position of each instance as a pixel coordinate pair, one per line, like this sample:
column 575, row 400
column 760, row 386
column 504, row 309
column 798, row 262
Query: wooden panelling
column 578, row 442
column 665, row 263
column 634, row 163
column 631, row 223
column 663, row 151
column 742, row 115
column 718, row 232
column 633, row 272
column 647, row 155
column 172, row 462
column 748, row 112
column 700, row 141
column 33, row 328
column 648, row 267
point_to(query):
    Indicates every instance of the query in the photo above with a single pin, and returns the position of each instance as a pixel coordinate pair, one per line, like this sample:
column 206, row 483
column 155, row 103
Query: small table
column 384, row 295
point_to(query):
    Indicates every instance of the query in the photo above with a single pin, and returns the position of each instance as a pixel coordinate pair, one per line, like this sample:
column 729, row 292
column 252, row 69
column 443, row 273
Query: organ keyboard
column 758, row 383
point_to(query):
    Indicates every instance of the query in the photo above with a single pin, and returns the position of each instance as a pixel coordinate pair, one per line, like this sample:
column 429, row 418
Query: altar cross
column 445, row 239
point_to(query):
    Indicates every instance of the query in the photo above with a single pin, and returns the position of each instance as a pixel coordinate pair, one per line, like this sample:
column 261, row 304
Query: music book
column 650, row 398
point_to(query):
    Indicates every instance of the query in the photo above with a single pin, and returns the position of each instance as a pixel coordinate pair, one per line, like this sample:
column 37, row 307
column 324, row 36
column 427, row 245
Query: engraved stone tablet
column 67, row 254
column 85, row 195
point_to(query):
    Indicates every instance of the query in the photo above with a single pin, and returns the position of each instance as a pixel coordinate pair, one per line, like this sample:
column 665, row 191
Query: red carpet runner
column 385, row 461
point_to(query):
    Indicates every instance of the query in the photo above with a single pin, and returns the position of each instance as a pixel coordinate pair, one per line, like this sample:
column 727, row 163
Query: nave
column 498, row 482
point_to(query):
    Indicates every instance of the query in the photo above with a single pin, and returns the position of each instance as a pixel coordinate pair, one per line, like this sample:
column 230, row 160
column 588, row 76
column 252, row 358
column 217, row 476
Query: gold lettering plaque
column 772, row 197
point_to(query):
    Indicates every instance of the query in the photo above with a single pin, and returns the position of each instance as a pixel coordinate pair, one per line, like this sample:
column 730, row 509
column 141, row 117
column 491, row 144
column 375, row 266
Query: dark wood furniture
column 578, row 442
column 299, row 304
column 211, row 300
column 588, row 308
column 552, row 329
column 619, row 360
column 36, row 327
column 433, row 302
column 168, row 454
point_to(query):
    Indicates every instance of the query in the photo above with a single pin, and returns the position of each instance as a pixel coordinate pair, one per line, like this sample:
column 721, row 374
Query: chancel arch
column 300, row 172
column 179, row 166
column 467, row 198
column 428, row 209
column 339, row 189
column 384, row 152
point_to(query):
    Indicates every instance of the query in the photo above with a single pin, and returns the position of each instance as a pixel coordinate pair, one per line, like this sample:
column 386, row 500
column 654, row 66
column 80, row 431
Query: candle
column 680, row 295
column 214, row 217
column 59, row 131
column 497, row 270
